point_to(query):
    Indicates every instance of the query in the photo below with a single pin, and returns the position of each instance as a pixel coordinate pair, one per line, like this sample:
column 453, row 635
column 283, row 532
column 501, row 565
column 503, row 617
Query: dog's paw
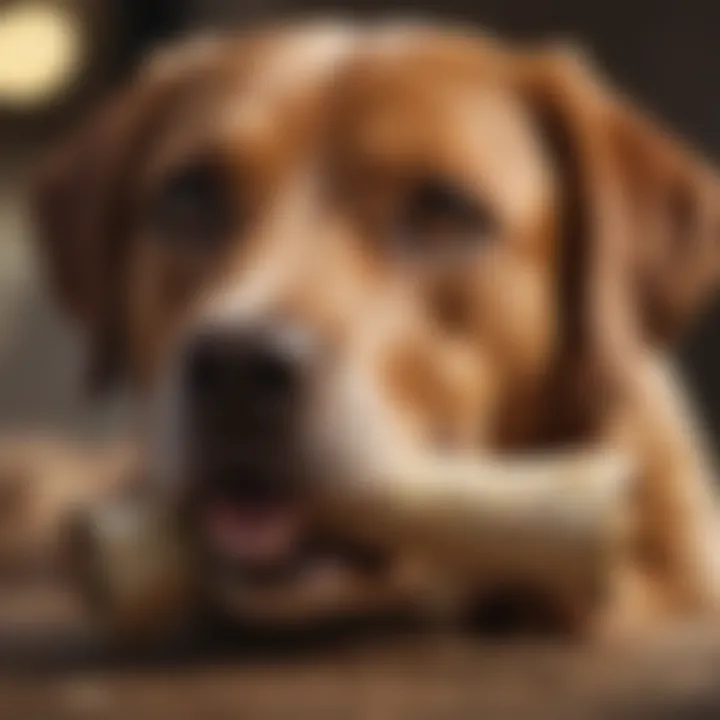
column 40, row 482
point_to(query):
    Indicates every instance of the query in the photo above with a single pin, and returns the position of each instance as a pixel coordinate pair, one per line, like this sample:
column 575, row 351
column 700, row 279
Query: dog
column 320, row 246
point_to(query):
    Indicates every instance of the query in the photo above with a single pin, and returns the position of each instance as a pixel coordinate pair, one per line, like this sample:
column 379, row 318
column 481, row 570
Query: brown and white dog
column 320, row 246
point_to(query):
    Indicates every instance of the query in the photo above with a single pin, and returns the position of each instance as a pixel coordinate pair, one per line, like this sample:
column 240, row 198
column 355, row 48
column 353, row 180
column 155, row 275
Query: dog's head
column 318, row 248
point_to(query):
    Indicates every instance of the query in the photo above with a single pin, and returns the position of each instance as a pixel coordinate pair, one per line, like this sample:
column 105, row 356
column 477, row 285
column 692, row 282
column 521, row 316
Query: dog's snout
column 244, row 387
column 258, row 368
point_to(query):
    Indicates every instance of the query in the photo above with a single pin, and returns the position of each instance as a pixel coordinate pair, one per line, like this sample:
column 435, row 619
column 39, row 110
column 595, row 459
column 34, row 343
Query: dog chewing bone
column 551, row 522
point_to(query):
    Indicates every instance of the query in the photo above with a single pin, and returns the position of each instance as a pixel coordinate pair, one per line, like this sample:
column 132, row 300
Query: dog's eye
column 195, row 207
column 442, row 216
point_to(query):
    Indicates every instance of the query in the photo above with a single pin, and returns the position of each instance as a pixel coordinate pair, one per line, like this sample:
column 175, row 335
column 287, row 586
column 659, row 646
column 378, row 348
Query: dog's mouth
column 255, row 535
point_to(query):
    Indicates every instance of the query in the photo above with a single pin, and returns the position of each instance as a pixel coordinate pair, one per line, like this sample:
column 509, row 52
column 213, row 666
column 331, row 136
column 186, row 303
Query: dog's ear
column 78, row 208
column 642, row 220
column 639, row 250
column 82, row 204
column 84, row 193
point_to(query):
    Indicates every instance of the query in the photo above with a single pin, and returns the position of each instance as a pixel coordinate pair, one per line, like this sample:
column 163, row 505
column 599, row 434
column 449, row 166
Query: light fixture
column 42, row 48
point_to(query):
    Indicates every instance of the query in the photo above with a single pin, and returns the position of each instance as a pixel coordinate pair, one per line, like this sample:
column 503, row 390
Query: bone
column 133, row 566
column 453, row 528
column 555, row 523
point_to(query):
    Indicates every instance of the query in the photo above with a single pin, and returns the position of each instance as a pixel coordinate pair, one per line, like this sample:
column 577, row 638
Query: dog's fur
column 542, row 321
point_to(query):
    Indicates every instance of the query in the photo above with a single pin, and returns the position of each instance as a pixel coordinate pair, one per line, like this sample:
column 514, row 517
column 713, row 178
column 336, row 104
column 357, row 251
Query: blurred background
column 57, row 57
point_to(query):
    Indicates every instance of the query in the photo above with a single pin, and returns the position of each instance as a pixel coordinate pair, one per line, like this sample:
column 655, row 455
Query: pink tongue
column 251, row 534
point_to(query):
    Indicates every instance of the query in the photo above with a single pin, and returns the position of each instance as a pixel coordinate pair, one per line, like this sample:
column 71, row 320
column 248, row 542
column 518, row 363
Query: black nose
column 257, row 373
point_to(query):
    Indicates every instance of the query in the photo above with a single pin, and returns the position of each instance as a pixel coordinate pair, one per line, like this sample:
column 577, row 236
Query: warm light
column 41, row 49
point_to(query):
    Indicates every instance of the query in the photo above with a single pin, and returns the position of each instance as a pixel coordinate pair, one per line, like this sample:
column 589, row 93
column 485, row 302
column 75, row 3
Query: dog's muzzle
column 246, row 391
column 243, row 389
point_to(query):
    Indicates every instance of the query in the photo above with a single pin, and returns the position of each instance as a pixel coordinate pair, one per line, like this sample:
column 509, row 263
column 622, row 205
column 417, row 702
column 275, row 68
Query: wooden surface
column 51, row 668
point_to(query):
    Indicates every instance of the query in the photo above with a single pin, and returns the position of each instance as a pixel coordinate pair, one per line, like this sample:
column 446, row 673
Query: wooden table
column 50, row 667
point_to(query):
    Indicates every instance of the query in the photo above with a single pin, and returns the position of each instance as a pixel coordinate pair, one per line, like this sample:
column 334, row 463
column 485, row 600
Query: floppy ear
column 643, row 211
column 674, row 200
column 84, row 193
column 81, row 202
column 640, row 228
